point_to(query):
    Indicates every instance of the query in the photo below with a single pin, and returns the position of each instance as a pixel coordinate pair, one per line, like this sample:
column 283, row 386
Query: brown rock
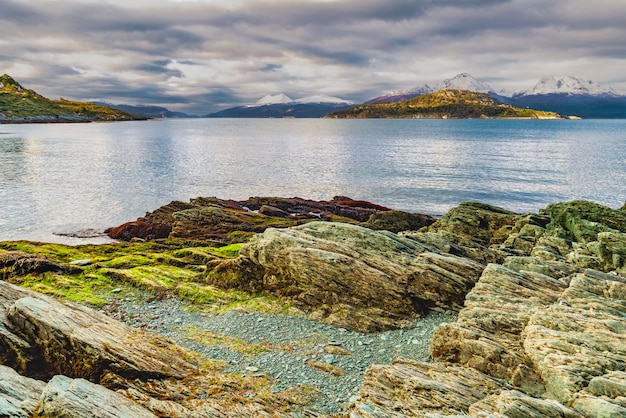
column 78, row 398
column 397, row 221
column 139, row 229
column 98, row 343
column 268, row 210
column 350, row 276
column 19, row 263
column 412, row 389
column 226, row 220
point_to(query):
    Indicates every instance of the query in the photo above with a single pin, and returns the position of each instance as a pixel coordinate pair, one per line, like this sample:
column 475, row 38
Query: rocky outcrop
column 96, row 366
column 547, row 329
column 19, row 395
column 231, row 221
column 350, row 276
column 19, row 263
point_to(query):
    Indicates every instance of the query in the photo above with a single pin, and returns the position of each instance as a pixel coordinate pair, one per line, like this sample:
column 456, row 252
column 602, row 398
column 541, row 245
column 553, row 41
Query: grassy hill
column 20, row 105
column 453, row 104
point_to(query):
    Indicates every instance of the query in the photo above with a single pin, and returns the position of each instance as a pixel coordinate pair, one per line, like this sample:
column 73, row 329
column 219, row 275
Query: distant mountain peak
column 323, row 98
column 284, row 99
column 273, row 99
column 465, row 81
column 568, row 85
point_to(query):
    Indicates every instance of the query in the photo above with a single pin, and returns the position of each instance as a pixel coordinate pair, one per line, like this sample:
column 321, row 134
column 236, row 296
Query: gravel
column 295, row 344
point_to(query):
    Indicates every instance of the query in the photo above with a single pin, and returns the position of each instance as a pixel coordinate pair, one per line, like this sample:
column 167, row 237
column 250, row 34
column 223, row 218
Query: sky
column 206, row 55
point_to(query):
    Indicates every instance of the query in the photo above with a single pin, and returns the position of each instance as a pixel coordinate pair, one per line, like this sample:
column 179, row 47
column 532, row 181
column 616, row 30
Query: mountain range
column 566, row 95
column 443, row 104
column 283, row 106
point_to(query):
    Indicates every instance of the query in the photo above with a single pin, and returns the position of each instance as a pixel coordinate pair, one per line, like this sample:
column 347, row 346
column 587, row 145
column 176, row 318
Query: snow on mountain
column 323, row 98
column 402, row 94
column 465, row 81
column 284, row 99
column 567, row 85
column 273, row 99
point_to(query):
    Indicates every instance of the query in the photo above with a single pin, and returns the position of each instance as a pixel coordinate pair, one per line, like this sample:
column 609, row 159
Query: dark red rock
column 139, row 229
column 221, row 220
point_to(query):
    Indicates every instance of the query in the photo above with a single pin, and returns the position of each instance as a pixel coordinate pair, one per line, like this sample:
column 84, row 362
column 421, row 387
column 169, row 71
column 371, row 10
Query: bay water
column 61, row 178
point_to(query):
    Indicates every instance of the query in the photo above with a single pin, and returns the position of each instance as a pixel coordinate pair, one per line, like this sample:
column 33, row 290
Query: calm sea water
column 60, row 178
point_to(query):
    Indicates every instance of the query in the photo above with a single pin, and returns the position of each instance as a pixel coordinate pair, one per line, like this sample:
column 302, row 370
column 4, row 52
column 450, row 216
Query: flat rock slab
column 78, row 398
column 77, row 341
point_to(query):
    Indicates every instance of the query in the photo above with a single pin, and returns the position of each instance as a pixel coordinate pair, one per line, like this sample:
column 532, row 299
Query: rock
column 19, row 395
column 477, row 222
column 230, row 221
column 19, row 263
column 515, row 404
column 268, row 210
column 98, row 343
column 570, row 345
column 82, row 262
column 407, row 388
column 350, row 276
column 139, row 229
column 100, row 367
column 582, row 221
column 397, row 221
column 548, row 330
column 78, row 398
column 487, row 334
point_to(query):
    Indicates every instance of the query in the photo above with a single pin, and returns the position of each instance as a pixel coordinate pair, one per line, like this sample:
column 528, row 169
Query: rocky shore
column 483, row 312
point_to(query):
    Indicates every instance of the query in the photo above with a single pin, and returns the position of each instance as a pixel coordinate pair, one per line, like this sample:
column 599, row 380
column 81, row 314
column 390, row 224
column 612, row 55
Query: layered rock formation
column 95, row 366
column 540, row 331
column 350, row 276
column 231, row 221
column 541, row 334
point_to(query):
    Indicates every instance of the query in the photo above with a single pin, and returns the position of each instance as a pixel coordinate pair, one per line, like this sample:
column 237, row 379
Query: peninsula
column 21, row 105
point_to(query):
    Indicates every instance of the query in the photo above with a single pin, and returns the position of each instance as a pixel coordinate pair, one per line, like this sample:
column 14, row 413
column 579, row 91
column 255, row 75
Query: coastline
column 515, row 281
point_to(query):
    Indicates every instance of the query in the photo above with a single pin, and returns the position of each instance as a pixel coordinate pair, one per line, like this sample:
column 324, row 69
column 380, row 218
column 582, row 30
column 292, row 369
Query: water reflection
column 92, row 176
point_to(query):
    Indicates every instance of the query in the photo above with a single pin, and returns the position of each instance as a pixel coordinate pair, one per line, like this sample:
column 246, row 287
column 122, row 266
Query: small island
column 443, row 104
column 20, row 105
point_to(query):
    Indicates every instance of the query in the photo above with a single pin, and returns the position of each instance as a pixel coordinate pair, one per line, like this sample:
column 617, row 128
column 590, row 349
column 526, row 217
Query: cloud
column 205, row 55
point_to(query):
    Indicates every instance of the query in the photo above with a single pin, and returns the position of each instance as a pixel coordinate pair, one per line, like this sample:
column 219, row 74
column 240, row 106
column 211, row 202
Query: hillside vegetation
column 456, row 104
column 20, row 105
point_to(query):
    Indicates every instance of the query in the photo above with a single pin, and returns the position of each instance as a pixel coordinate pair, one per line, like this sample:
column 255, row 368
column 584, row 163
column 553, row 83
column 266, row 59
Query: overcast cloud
column 202, row 56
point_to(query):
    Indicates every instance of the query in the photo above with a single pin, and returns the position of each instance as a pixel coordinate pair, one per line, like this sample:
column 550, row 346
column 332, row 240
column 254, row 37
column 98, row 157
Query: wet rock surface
column 230, row 221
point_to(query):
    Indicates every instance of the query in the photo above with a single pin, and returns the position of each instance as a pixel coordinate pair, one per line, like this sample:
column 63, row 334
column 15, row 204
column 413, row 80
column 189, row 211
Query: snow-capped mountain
column 394, row 96
column 284, row 99
column 273, row 99
column 323, row 98
column 465, row 81
column 282, row 106
column 567, row 85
